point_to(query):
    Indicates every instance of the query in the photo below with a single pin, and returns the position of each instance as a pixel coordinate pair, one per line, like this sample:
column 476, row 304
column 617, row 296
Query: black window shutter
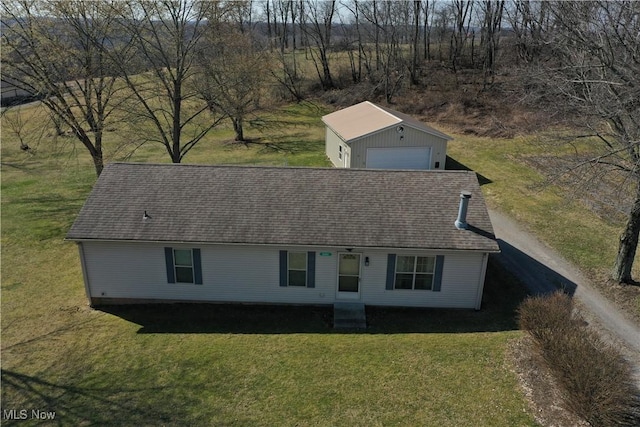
column 197, row 267
column 311, row 269
column 437, row 280
column 391, row 271
column 283, row 268
column 168, row 256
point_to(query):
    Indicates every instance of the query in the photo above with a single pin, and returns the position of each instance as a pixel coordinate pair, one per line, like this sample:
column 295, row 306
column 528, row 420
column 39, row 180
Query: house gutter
column 279, row 245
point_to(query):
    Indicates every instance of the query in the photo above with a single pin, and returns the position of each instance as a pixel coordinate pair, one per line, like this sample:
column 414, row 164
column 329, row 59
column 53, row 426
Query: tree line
column 181, row 67
column 185, row 66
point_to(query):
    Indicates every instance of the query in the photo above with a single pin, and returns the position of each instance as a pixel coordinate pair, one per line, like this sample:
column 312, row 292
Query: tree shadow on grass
column 453, row 164
column 75, row 405
column 502, row 295
column 47, row 216
column 294, row 143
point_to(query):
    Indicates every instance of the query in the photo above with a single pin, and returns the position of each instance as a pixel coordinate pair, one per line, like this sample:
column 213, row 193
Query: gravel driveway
column 543, row 270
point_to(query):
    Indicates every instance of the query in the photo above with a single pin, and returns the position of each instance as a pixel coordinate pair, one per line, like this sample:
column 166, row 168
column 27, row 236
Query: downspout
column 85, row 273
column 483, row 273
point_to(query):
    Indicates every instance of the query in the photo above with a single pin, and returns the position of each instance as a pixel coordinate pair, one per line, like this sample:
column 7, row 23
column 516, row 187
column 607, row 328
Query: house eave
column 287, row 244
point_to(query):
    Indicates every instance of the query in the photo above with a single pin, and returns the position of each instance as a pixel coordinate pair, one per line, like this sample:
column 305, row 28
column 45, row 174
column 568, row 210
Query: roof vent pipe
column 461, row 222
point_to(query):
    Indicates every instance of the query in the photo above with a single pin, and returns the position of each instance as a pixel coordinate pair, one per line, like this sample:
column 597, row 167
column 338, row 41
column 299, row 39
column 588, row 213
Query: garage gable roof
column 284, row 206
column 366, row 118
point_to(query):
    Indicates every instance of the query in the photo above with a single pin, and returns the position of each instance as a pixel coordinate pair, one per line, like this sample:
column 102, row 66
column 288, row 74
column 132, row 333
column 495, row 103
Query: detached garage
column 370, row 136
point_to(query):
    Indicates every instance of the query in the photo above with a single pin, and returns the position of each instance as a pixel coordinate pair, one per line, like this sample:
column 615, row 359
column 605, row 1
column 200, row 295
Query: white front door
column 346, row 160
column 348, row 276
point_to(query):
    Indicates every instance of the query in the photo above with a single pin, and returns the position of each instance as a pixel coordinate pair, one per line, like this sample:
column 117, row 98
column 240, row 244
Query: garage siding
column 332, row 144
column 390, row 138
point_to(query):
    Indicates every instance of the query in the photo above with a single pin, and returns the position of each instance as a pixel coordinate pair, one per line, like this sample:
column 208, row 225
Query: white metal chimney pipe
column 461, row 222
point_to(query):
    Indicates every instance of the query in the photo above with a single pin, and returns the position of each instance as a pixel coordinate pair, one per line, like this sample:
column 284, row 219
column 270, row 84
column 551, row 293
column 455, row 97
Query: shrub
column 596, row 379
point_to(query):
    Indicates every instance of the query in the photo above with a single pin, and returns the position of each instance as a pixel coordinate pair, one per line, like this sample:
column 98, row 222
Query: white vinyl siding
column 230, row 274
column 460, row 280
column 252, row 274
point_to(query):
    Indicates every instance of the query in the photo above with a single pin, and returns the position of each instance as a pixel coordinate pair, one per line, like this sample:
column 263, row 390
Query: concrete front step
column 349, row 315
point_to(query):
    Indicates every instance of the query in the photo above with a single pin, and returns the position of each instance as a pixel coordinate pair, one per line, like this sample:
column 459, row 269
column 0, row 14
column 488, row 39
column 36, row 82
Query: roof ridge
column 320, row 168
column 385, row 111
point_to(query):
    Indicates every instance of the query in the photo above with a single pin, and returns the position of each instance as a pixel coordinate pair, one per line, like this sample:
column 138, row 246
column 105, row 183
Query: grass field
column 227, row 365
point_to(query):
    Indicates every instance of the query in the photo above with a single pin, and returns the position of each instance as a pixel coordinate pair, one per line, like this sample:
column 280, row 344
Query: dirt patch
column 626, row 297
column 542, row 392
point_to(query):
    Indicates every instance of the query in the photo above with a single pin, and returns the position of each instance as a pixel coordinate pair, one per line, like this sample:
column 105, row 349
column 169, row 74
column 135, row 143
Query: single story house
column 370, row 136
column 165, row 232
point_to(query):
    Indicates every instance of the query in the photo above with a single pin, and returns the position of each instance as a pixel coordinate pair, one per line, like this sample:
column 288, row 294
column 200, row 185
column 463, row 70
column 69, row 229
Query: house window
column 183, row 264
column 340, row 152
column 415, row 272
column 297, row 269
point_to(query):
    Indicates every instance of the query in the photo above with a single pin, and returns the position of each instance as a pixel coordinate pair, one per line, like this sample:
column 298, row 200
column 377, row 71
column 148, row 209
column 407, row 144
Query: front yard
column 227, row 365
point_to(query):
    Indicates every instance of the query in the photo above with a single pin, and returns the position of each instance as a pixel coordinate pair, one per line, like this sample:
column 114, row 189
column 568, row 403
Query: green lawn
column 227, row 365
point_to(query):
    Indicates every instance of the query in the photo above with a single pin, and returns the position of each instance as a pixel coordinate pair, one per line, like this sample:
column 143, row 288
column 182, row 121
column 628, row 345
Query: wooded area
column 183, row 67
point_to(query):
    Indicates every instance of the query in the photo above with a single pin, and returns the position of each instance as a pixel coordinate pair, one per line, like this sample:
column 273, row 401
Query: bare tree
column 529, row 21
column 318, row 26
column 168, row 37
column 281, row 10
column 462, row 11
column 415, row 40
column 363, row 57
column 240, row 12
column 441, row 22
column 386, row 19
column 58, row 50
column 594, row 75
column 428, row 8
column 490, row 37
column 233, row 76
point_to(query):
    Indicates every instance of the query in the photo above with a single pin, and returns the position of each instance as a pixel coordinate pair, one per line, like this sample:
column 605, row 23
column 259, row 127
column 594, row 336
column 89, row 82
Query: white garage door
column 399, row 158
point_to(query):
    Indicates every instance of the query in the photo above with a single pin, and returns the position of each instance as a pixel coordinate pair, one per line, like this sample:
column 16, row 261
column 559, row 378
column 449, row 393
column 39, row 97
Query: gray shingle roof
column 365, row 118
column 284, row 206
